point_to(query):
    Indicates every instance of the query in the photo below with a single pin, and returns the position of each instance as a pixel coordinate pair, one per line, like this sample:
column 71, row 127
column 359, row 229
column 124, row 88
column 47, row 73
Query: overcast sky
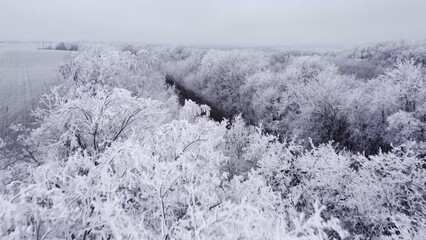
column 215, row 22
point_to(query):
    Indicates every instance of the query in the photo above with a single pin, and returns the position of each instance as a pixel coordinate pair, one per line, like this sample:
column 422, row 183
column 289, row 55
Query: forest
column 310, row 144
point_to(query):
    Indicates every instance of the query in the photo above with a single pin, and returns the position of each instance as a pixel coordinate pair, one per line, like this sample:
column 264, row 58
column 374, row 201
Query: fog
column 214, row 23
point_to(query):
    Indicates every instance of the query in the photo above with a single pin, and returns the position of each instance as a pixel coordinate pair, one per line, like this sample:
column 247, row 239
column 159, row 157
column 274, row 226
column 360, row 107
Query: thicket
column 113, row 156
column 307, row 95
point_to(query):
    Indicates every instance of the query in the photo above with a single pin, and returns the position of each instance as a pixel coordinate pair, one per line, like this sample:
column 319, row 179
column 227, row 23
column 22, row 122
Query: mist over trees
column 327, row 145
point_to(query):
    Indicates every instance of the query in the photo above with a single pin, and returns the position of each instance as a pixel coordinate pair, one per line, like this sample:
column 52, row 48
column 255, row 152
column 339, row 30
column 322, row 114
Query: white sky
column 215, row 22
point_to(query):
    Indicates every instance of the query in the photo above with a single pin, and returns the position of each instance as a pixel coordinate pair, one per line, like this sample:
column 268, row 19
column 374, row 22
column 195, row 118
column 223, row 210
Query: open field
column 25, row 75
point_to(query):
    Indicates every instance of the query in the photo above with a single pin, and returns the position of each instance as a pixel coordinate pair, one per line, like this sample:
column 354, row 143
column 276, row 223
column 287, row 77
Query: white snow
column 25, row 74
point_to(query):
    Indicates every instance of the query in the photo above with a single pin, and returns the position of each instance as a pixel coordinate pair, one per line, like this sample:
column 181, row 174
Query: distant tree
column 61, row 46
column 130, row 48
column 73, row 47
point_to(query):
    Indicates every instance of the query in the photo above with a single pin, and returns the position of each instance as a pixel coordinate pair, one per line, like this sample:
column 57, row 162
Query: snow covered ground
column 25, row 74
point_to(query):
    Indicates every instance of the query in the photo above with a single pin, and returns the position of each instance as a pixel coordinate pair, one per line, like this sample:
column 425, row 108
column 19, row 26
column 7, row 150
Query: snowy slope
column 25, row 75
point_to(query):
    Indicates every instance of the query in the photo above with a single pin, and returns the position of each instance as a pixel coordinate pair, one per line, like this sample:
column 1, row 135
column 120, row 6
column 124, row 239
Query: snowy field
column 25, row 74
